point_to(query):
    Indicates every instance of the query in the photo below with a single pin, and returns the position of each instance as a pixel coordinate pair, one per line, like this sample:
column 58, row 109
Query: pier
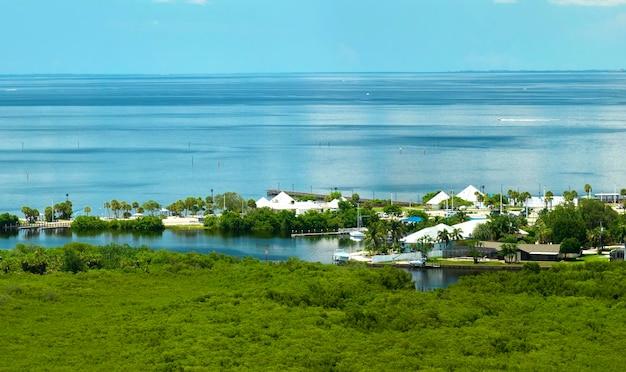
column 45, row 225
column 303, row 234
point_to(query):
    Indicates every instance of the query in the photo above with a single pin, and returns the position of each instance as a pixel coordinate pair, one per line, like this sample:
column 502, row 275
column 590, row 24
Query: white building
column 536, row 202
column 437, row 199
column 283, row 201
column 467, row 228
column 470, row 194
column 429, row 233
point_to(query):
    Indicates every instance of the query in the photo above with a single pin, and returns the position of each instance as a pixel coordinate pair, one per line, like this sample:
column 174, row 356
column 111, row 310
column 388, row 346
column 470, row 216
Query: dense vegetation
column 96, row 224
column 265, row 220
column 138, row 309
column 591, row 223
column 8, row 220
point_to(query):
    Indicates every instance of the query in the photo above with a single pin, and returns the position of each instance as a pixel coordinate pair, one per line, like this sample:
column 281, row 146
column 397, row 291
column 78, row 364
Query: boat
column 357, row 234
column 420, row 262
column 341, row 257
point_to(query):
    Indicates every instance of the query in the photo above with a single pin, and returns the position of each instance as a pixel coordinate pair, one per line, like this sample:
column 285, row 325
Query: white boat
column 341, row 257
column 358, row 233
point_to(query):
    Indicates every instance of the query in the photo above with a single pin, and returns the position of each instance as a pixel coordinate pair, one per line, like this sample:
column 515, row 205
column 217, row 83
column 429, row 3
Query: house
column 539, row 252
column 531, row 252
column 283, row 201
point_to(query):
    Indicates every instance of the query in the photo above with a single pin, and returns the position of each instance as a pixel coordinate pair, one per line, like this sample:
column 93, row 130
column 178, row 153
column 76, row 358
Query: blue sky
column 224, row 36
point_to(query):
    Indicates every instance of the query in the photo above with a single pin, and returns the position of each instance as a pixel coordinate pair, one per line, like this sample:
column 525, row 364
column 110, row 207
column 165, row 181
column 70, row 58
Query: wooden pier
column 303, row 234
column 46, row 225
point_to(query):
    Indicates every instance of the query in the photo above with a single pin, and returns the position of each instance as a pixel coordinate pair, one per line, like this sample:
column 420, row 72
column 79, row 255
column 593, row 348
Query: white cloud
column 589, row 2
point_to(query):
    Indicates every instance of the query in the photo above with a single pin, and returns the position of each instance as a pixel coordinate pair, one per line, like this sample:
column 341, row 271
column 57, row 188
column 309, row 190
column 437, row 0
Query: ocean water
column 386, row 135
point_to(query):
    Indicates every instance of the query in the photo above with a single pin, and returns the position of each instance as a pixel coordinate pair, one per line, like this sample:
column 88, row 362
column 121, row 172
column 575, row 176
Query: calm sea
column 166, row 137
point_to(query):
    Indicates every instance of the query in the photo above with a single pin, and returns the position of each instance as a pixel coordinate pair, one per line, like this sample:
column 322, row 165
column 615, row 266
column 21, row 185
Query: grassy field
column 214, row 313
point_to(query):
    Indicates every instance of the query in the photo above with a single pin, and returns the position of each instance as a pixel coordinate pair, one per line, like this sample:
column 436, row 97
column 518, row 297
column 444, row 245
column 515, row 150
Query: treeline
column 8, row 220
column 77, row 257
column 96, row 224
column 592, row 223
column 265, row 220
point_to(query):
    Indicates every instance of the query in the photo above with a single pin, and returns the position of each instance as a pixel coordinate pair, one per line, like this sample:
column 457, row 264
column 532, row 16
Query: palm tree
column 107, row 206
column 424, row 245
column 87, row 210
column 443, row 237
column 479, row 197
column 548, row 199
column 509, row 251
column 588, row 190
column 456, row 234
column 375, row 237
column 396, row 230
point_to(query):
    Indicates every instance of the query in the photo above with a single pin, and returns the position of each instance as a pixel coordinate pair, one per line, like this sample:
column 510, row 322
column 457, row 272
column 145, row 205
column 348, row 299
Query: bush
column 570, row 245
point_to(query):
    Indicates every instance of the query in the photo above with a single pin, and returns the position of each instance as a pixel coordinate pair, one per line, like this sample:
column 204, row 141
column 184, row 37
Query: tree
column 509, row 251
column 456, row 234
column 570, row 245
column 375, row 237
column 393, row 210
column 588, row 190
column 87, row 210
column 548, row 199
column 64, row 210
column 116, row 207
column 229, row 201
column 396, row 231
column 444, row 237
column 31, row 215
column 564, row 222
column 107, row 206
column 151, row 207
column 570, row 195
column 49, row 214
column 424, row 245
column 473, row 249
column 332, row 196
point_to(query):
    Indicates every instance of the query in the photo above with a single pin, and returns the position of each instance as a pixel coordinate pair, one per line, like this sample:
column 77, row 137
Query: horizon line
column 619, row 70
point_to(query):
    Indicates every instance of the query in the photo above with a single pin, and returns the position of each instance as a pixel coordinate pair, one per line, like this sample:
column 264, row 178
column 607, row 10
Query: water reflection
column 429, row 279
column 318, row 249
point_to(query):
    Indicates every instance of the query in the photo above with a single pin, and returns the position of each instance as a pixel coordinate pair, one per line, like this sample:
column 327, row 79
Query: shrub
column 570, row 245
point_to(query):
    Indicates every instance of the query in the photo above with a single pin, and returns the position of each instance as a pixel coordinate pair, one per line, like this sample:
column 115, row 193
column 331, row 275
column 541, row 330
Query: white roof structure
column 441, row 196
column 467, row 228
column 430, row 232
column 283, row 201
column 282, row 198
column 469, row 194
column 538, row 202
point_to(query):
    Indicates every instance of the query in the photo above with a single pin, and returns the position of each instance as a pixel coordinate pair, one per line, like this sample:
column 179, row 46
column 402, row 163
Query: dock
column 45, row 225
column 309, row 233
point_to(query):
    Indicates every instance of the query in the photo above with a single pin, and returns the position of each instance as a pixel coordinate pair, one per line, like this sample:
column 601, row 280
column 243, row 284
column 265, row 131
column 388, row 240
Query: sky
column 267, row 36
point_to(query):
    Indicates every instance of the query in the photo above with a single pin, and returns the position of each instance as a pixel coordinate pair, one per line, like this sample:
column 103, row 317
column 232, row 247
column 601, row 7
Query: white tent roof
column 333, row 204
column 469, row 194
column 282, row 198
column 467, row 228
column 441, row 196
column 538, row 202
column 431, row 232
column 262, row 203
